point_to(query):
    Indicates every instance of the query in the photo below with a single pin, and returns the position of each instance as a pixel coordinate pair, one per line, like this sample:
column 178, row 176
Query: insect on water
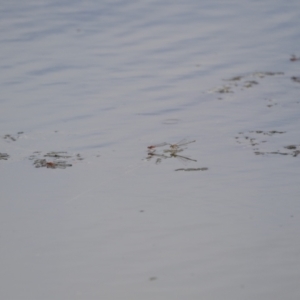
column 157, row 145
column 50, row 164
column 175, row 148
column 159, row 157
column 169, row 152
column 180, row 144
column 184, row 159
column 172, row 146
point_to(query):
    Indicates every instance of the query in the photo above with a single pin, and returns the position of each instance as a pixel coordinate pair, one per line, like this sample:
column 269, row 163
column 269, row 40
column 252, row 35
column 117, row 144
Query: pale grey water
column 106, row 79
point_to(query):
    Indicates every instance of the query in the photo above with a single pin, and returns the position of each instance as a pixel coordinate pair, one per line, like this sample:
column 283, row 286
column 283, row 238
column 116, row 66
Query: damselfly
column 181, row 143
column 175, row 148
column 157, row 145
column 182, row 158
column 172, row 146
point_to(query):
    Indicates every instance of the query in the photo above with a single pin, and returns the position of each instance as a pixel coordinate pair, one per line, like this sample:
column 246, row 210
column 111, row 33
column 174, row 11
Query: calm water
column 98, row 82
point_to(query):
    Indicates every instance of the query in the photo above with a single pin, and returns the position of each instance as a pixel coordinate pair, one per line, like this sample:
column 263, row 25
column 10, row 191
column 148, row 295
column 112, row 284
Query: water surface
column 105, row 80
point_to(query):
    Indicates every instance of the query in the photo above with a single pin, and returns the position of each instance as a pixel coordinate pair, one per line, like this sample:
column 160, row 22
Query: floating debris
column 296, row 79
column 236, row 78
column 295, row 149
column 294, row 58
column 153, row 278
column 223, row 90
column 291, row 147
column 250, row 83
column 252, row 139
column 192, row 169
column 242, row 82
column 4, row 156
column 273, row 152
column 264, row 74
column 271, row 103
column 11, row 138
column 272, row 132
column 61, row 154
column 39, row 163
column 79, row 157
column 59, row 159
column 49, row 159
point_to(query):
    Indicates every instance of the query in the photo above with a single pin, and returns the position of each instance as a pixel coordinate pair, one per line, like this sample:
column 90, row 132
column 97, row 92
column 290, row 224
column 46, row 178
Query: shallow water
column 103, row 81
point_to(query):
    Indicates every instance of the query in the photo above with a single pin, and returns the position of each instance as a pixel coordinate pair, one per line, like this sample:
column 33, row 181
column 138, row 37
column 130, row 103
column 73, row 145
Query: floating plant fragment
column 49, row 159
column 242, row 81
column 58, row 160
column 253, row 138
column 294, row 58
column 296, row 79
column 4, row 156
column 39, row 163
column 57, row 154
column 263, row 74
column 11, row 138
